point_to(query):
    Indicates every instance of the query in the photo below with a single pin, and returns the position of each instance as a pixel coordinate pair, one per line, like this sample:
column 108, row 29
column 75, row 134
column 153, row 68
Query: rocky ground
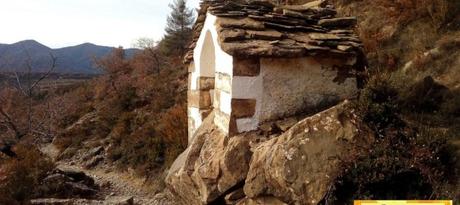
column 105, row 187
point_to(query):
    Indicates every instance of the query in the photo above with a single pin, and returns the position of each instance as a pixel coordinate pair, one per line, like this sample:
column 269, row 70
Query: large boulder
column 212, row 165
column 222, row 165
column 300, row 166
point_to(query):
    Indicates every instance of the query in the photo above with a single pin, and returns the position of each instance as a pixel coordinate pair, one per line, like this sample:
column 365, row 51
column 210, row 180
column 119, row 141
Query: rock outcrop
column 66, row 183
column 212, row 165
column 300, row 165
column 297, row 167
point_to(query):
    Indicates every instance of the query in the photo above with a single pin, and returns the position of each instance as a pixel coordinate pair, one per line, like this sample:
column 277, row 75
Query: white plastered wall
column 293, row 85
column 248, row 88
column 219, row 61
column 286, row 86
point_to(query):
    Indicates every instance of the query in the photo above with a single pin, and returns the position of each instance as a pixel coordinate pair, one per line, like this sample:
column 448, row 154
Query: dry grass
column 394, row 32
column 442, row 62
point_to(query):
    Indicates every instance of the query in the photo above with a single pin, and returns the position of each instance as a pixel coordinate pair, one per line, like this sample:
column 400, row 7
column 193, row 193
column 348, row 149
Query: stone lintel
column 243, row 108
column 205, row 113
column 206, row 83
column 233, row 127
column 199, row 99
column 246, row 67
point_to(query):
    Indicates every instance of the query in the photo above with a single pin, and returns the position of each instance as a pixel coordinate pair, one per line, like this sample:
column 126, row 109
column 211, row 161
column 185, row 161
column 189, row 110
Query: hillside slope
column 421, row 38
column 74, row 59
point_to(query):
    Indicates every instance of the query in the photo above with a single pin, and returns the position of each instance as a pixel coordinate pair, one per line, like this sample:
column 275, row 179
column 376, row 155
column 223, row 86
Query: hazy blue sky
column 59, row 23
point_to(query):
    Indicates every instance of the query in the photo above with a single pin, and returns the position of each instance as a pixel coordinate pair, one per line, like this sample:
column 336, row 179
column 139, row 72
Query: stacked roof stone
column 259, row 28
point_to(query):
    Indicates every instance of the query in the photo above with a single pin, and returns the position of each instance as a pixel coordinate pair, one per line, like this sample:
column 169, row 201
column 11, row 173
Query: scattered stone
column 79, row 189
column 93, row 162
column 93, row 152
column 56, row 179
column 284, row 125
column 76, row 175
column 266, row 127
column 123, row 200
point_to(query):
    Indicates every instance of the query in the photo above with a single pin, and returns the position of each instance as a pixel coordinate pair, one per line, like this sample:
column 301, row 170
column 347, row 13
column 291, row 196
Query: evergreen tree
column 178, row 28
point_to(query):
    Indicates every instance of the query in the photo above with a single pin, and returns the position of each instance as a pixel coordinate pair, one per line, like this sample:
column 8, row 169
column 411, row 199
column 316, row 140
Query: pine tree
column 178, row 28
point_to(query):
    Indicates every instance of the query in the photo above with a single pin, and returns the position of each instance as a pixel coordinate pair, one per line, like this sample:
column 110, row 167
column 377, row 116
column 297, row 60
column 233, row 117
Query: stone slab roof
column 259, row 28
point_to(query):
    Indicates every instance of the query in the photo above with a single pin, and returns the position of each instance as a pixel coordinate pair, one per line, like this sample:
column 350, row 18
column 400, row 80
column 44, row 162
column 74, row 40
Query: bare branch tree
column 50, row 70
column 28, row 91
column 153, row 52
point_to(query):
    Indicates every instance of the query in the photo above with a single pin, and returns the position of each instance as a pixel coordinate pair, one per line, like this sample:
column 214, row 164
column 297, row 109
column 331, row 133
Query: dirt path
column 112, row 183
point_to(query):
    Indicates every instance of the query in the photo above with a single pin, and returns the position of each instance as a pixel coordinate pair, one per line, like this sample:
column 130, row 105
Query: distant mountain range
column 75, row 59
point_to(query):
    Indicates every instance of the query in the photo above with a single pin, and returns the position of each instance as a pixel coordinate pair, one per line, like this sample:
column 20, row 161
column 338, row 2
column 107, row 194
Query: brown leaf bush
column 20, row 177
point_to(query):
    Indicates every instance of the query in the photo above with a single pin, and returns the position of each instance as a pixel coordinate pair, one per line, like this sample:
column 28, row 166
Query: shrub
column 425, row 96
column 173, row 129
column 414, row 164
column 451, row 107
column 409, row 159
column 148, row 144
column 378, row 103
column 22, row 176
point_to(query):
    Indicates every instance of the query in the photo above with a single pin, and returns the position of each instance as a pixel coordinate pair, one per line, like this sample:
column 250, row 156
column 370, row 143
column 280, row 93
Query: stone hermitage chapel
column 254, row 62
